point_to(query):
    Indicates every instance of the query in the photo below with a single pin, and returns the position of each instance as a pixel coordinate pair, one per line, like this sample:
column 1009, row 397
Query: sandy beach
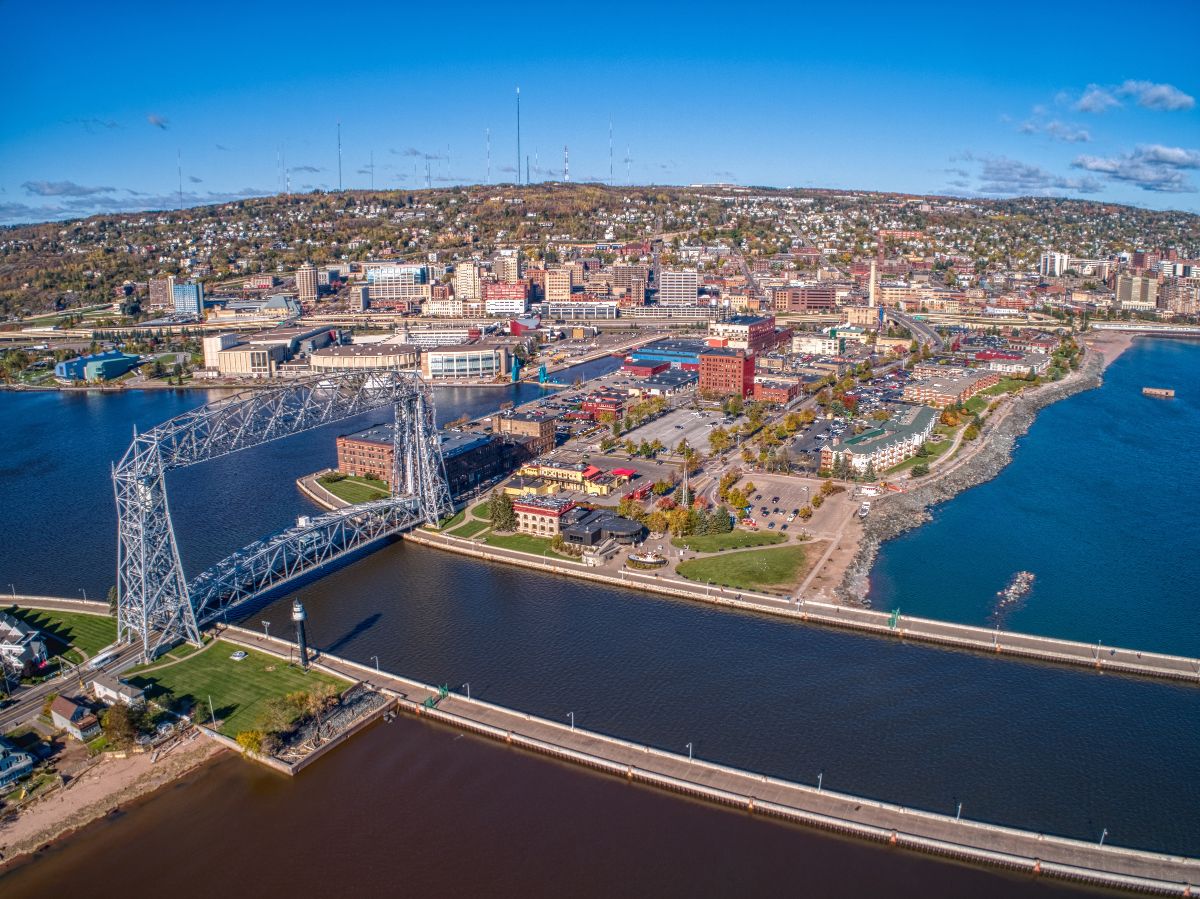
column 112, row 783
column 1109, row 344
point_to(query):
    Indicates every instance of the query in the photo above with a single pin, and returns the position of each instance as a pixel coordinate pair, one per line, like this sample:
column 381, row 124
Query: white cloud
column 1156, row 96
column 1151, row 167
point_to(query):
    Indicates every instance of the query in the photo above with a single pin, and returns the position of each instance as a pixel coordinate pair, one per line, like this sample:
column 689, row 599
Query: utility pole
column 519, row 141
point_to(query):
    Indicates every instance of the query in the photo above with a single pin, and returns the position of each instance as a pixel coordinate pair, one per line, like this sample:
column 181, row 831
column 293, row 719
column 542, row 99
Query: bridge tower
column 156, row 604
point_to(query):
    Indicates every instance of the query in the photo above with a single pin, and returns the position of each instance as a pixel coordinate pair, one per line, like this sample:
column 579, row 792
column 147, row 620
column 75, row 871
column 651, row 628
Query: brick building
column 726, row 372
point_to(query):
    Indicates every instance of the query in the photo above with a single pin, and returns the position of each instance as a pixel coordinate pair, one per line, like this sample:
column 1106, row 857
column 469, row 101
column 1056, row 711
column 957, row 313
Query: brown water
column 414, row 809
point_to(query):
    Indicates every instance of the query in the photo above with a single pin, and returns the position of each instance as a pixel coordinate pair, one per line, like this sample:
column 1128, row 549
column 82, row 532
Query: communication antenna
column 519, row 141
column 526, row 169
column 339, row 132
column 179, row 166
column 372, row 168
column 287, row 175
column 628, row 162
column 610, row 154
column 428, row 180
column 566, row 165
column 488, row 133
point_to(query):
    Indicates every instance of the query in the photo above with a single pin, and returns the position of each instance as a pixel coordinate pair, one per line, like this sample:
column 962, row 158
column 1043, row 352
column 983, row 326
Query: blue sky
column 1070, row 99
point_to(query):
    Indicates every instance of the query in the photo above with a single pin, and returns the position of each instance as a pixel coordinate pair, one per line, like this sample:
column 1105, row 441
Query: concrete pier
column 945, row 835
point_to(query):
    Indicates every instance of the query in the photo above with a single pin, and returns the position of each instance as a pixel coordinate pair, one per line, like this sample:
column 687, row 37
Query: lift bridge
column 155, row 602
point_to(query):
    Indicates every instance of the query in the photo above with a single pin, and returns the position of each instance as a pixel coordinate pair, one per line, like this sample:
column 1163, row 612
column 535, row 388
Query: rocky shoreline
column 891, row 516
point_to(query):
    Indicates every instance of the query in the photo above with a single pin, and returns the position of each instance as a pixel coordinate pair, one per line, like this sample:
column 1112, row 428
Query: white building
column 678, row 287
column 1053, row 265
column 467, row 283
column 506, row 306
column 306, row 283
column 816, row 343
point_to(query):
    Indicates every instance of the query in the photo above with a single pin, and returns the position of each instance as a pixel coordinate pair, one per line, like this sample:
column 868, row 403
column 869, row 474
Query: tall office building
column 398, row 284
column 162, row 293
column 188, row 298
column 678, row 287
column 631, row 280
column 1137, row 292
column 1053, row 265
column 508, row 266
column 558, row 285
column 467, row 284
column 306, row 282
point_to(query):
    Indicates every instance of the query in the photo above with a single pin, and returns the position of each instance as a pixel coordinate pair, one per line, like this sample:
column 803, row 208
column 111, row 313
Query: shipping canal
column 1063, row 751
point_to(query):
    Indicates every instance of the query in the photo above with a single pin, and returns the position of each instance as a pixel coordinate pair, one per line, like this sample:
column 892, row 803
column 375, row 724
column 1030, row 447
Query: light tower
column 299, row 616
column 566, row 165
column 519, row 136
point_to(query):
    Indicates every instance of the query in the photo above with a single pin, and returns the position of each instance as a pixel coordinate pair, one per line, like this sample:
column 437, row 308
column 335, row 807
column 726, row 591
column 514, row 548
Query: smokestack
column 871, row 293
column 299, row 616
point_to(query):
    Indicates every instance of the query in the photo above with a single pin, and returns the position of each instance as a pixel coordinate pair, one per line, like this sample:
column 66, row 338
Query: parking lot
column 679, row 424
column 786, row 494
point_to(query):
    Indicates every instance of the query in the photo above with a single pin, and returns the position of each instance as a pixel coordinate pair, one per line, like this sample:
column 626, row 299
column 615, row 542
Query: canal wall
column 976, row 842
column 1002, row 644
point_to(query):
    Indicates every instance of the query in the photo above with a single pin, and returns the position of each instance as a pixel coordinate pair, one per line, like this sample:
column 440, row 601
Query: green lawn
column 750, row 570
column 239, row 690
column 482, row 511
column 470, row 529
column 525, row 543
column 70, row 630
column 1007, row 385
column 935, row 450
column 453, row 521
column 711, row 543
column 976, row 404
column 354, row 490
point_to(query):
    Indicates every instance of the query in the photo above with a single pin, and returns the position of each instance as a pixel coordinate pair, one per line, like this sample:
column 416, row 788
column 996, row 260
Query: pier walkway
column 886, row 823
column 1005, row 644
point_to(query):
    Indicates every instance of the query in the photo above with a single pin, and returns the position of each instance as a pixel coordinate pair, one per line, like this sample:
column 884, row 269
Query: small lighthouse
column 299, row 616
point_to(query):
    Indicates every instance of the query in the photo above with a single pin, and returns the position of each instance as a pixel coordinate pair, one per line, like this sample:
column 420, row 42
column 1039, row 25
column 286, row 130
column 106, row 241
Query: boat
column 1162, row 393
column 864, row 510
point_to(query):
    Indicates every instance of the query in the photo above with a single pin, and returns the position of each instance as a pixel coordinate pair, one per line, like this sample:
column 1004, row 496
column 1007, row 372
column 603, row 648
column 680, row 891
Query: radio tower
column 339, row 155
column 488, row 133
column 519, row 136
column 566, row 165
column 179, row 166
column 610, row 154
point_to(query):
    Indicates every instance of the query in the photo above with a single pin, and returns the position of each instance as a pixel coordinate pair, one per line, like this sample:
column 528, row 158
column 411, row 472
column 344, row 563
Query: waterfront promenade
column 809, row 805
column 1003, row 644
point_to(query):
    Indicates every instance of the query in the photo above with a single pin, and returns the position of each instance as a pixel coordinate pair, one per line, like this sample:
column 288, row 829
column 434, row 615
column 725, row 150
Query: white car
column 238, row 656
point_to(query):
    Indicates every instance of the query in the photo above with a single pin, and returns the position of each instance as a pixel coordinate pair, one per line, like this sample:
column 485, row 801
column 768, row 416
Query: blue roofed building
column 96, row 367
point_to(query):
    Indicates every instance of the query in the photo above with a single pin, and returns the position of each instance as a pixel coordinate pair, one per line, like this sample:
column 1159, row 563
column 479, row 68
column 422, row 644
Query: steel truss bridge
column 156, row 604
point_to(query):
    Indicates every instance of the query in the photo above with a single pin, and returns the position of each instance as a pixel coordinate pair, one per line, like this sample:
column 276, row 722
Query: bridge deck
column 974, row 841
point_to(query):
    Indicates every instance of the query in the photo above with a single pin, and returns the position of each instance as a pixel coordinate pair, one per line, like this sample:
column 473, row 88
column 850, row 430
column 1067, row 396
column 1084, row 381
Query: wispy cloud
column 1147, row 94
column 158, row 121
column 1151, row 167
column 94, row 125
column 195, row 180
column 307, row 168
column 1056, row 130
column 222, row 148
column 999, row 175
column 63, row 189
column 417, row 154
column 70, row 206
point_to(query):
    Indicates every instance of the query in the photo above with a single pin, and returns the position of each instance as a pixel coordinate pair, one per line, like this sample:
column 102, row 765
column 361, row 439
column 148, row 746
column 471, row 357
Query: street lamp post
column 14, row 592
column 375, row 659
column 1103, row 834
column 571, row 715
column 467, row 687
column 689, row 749
column 84, row 591
column 266, row 628
column 820, row 779
column 958, row 814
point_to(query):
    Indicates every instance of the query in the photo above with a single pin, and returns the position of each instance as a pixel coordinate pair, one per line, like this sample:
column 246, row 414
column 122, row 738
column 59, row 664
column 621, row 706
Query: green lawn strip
column 711, row 543
column 525, row 543
column 69, row 630
column 935, row 450
column 1007, row 385
column 976, row 404
column 453, row 521
column 482, row 511
column 470, row 529
column 240, row 691
column 354, row 490
column 747, row 570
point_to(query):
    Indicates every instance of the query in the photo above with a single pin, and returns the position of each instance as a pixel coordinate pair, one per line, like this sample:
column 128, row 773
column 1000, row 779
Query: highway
column 923, row 332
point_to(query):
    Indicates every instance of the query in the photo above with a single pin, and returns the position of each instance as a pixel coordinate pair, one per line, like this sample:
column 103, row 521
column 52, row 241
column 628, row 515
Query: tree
column 251, row 741
column 920, row 470
column 817, row 501
column 971, row 433
column 869, row 473
column 723, row 520
column 122, row 725
column 500, row 510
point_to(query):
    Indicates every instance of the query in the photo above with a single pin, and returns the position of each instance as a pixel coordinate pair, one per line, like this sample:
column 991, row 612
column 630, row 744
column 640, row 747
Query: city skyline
column 936, row 104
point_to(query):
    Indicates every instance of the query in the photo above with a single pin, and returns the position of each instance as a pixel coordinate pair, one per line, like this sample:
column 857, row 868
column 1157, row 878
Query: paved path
column 937, row 834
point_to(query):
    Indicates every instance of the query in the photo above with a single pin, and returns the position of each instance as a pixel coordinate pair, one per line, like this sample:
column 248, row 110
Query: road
column 923, row 332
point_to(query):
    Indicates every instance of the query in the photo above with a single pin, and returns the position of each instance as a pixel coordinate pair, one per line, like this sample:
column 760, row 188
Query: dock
column 949, row 836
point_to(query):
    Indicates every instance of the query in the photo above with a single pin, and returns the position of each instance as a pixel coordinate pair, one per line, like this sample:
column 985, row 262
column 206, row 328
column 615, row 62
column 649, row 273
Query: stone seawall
column 893, row 515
